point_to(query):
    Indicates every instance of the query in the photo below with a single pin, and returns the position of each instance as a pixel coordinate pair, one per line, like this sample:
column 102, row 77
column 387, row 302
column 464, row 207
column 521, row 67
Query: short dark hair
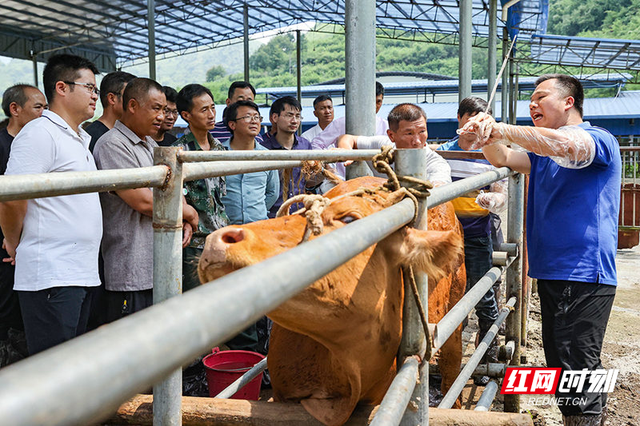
column 278, row 105
column 232, row 111
column 15, row 94
column 138, row 89
column 571, row 86
column 184, row 100
column 473, row 105
column 113, row 83
column 240, row 85
column 321, row 98
column 64, row 67
column 379, row 89
column 407, row 112
column 171, row 94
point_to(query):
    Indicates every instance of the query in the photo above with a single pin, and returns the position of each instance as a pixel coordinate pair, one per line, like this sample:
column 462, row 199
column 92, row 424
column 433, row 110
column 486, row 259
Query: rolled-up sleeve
column 437, row 167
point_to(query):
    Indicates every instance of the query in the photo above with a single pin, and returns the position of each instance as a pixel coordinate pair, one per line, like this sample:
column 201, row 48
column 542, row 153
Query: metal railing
column 117, row 360
column 629, row 219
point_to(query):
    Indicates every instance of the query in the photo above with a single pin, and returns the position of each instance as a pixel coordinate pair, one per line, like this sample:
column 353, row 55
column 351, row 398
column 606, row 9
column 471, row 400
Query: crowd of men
column 72, row 263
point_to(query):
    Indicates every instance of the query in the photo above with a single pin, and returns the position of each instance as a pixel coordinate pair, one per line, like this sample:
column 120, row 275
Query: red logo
column 527, row 380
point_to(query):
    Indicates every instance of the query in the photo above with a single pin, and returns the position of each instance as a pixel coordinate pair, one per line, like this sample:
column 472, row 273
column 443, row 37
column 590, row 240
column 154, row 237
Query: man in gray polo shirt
column 127, row 244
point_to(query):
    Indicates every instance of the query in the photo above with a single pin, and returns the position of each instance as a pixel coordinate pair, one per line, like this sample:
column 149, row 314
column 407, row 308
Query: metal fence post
column 167, row 273
column 515, row 220
column 413, row 162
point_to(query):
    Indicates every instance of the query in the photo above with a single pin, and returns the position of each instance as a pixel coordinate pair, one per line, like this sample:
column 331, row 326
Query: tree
column 215, row 72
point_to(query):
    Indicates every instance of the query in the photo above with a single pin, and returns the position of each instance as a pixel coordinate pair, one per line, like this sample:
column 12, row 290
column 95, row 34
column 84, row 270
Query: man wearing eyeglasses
column 285, row 114
column 54, row 241
column 163, row 137
column 249, row 195
column 111, row 89
column 127, row 245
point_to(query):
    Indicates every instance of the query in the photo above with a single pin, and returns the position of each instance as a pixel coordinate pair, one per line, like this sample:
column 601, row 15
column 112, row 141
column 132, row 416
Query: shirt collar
column 129, row 134
column 269, row 141
column 81, row 135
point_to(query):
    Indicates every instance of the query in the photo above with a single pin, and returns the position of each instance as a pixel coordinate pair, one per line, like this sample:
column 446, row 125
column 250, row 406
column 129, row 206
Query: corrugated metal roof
column 114, row 32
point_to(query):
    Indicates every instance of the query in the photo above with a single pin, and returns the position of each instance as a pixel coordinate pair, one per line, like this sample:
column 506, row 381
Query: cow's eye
column 348, row 218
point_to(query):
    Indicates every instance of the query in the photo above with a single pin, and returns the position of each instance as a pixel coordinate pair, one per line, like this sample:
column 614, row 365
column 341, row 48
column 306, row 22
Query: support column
column 167, row 274
column 504, row 92
column 413, row 162
column 465, row 60
column 34, row 58
column 151, row 17
column 360, row 73
column 515, row 220
column 245, row 40
column 299, row 72
column 492, row 50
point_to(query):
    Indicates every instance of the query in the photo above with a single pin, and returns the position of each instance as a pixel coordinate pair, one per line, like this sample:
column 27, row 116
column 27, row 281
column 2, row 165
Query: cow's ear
column 435, row 253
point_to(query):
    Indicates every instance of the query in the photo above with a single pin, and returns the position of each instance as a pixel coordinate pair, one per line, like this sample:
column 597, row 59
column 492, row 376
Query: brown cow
column 334, row 344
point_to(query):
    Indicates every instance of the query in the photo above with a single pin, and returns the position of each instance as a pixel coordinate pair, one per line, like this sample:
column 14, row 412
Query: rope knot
column 314, row 205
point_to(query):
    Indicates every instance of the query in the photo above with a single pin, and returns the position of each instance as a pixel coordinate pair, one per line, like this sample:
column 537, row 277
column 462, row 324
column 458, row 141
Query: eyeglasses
column 168, row 111
column 290, row 115
column 250, row 118
column 90, row 86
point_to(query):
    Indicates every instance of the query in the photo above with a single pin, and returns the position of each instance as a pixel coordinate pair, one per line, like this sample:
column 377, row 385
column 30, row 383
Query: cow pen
column 85, row 380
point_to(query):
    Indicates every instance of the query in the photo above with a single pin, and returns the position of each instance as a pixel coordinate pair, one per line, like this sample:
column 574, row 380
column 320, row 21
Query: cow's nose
column 215, row 250
column 230, row 235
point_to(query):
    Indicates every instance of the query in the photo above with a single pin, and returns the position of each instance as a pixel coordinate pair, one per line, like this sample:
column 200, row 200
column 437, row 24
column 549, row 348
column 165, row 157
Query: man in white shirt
column 407, row 129
column 329, row 136
column 55, row 240
column 323, row 110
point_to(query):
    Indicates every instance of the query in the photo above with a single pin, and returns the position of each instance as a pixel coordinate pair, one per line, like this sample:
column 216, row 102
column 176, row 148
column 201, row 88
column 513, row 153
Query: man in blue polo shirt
column 572, row 215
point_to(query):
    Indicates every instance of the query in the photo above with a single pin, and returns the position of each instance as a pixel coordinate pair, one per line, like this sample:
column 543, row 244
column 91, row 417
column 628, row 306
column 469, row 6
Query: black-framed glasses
column 250, row 118
column 90, row 86
column 168, row 111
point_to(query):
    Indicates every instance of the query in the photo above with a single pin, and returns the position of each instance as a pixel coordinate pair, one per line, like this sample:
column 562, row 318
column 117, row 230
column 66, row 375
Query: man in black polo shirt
column 111, row 90
column 21, row 103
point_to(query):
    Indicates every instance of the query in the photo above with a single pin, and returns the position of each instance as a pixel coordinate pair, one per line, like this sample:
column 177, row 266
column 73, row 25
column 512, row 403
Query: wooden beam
column 225, row 412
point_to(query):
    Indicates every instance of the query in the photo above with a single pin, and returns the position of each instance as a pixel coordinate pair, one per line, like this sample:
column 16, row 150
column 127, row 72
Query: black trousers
column 119, row 304
column 10, row 316
column 54, row 315
column 574, row 320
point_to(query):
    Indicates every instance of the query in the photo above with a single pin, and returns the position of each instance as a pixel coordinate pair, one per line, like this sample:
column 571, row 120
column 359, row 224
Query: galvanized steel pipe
column 24, row 187
column 193, row 171
column 492, row 369
column 234, row 387
column 445, row 193
column 457, row 386
column 331, row 155
column 167, row 274
column 487, row 397
column 114, row 362
column 515, row 232
column 397, row 398
column 450, row 322
column 413, row 163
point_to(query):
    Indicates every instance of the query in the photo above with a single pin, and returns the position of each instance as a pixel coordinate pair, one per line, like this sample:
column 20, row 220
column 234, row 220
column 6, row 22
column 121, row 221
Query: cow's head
column 237, row 246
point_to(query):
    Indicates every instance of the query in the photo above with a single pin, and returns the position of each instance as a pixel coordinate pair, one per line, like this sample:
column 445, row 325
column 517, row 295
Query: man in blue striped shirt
column 476, row 222
column 238, row 91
